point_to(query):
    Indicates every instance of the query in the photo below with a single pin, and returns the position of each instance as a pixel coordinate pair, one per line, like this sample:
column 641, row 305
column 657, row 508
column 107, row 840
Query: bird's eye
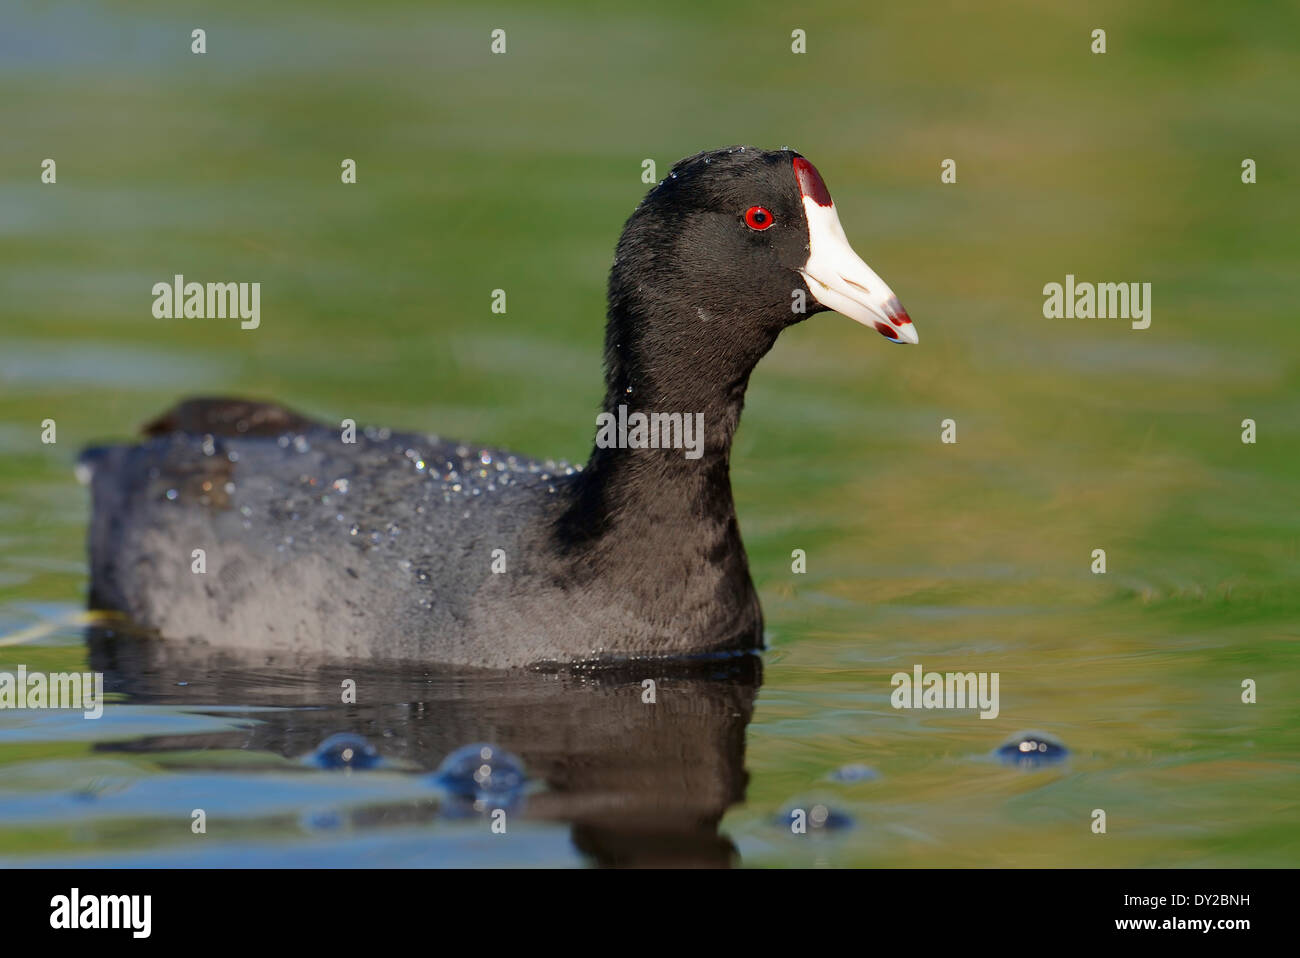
column 758, row 218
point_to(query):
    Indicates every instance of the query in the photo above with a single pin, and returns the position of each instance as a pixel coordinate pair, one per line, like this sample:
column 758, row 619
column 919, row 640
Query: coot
column 379, row 544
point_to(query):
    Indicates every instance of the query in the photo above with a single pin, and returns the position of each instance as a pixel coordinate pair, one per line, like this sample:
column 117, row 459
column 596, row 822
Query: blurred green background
column 478, row 172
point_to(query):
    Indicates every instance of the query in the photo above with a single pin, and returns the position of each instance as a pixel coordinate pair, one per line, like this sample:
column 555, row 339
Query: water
column 475, row 174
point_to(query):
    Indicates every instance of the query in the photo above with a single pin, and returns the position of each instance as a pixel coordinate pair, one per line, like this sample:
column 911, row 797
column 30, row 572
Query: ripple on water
column 854, row 773
column 321, row 819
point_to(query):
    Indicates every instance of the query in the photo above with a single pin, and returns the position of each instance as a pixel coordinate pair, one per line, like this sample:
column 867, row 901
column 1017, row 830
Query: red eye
column 758, row 218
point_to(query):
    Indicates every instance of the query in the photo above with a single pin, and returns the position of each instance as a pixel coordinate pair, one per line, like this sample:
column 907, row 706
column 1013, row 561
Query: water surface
column 517, row 172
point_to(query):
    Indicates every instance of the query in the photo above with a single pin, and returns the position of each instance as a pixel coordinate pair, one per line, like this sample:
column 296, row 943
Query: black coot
column 407, row 546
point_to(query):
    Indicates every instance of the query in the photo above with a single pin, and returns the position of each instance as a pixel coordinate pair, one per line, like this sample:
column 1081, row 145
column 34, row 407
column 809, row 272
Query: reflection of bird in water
column 640, row 784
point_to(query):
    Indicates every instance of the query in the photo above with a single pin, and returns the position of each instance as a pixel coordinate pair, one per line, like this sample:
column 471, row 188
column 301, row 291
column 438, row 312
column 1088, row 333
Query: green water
column 478, row 172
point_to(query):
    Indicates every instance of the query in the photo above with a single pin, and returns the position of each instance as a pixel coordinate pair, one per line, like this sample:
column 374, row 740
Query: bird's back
column 299, row 540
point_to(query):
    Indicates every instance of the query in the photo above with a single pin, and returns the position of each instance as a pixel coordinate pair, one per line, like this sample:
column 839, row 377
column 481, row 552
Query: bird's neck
column 643, row 515
column 674, row 389
column 660, row 464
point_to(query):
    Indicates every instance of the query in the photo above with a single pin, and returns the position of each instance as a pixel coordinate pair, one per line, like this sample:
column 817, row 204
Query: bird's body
column 245, row 525
column 388, row 545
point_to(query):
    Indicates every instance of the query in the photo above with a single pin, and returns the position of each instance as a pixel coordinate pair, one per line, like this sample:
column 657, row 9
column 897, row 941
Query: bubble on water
column 300, row 444
column 347, row 751
column 1032, row 750
column 482, row 772
column 172, row 494
column 817, row 817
